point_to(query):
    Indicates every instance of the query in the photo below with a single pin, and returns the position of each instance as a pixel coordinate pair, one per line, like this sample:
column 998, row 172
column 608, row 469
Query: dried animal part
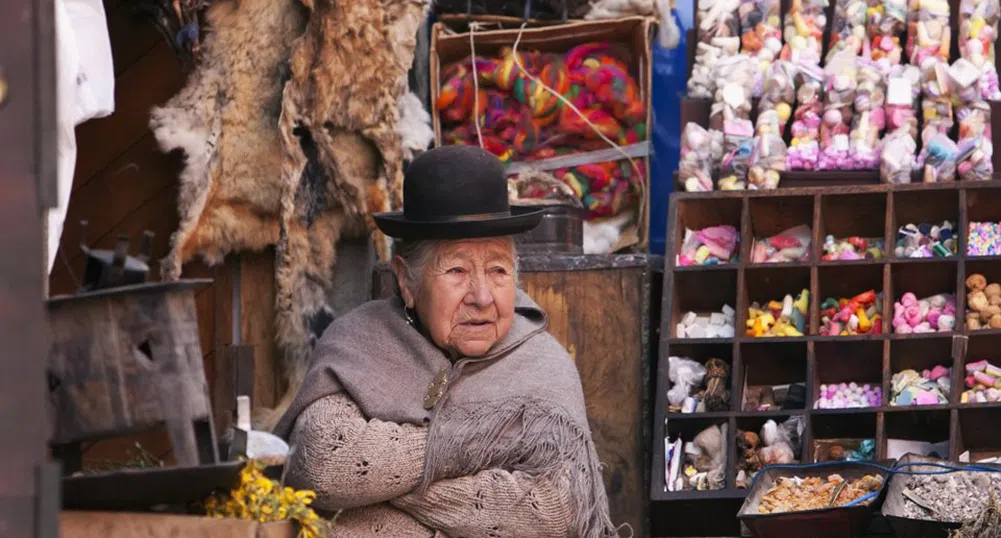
column 955, row 497
column 986, row 525
column 717, row 397
column 225, row 121
column 342, row 155
column 534, row 187
column 178, row 22
column 800, row 494
column 414, row 127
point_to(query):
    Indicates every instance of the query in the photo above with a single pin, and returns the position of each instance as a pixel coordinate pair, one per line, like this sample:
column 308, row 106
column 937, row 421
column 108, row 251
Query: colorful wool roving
column 522, row 120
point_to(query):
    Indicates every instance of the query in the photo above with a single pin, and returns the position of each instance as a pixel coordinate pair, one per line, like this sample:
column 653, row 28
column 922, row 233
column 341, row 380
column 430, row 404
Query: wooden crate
column 598, row 308
column 875, row 210
column 74, row 524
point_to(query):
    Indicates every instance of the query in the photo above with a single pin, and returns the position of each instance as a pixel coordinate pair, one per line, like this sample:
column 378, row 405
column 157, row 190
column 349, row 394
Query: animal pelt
column 540, row 9
column 414, row 127
column 342, row 155
column 225, row 121
column 669, row 34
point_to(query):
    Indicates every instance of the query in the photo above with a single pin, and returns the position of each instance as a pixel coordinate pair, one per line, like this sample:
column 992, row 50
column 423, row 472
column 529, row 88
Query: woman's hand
column 350, row 461
column 494, row 503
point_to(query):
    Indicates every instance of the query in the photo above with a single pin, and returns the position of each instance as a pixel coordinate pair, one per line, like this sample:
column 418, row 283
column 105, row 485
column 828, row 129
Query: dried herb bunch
column 717, row 396
column 986, row 525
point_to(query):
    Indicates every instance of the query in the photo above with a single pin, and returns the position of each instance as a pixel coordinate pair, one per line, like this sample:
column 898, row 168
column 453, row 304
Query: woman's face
column 465, row 298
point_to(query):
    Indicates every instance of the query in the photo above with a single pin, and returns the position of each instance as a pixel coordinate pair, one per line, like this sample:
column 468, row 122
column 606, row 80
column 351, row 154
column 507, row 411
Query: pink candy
column 933, row 314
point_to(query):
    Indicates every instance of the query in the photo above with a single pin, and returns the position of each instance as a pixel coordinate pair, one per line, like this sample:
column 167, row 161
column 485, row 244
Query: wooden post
column 27, row 187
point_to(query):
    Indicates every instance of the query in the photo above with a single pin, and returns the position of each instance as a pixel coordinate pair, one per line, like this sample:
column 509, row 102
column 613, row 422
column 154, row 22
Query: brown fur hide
column 225, row 120
column 343, row 159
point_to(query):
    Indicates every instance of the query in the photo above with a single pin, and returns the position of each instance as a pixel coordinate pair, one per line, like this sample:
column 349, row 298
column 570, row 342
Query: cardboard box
column 635, row 32
column 74, row 524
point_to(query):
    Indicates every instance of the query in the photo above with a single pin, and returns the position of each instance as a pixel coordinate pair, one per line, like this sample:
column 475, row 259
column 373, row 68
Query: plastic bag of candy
column 695, row 165
column 899, row 108
column 718, row 20
column 938, row 159
column 937, row 88
column 838, row 107
column 702, row 83
column 988, row 85
column 779, row 91
column 978, row 29
column 863, row 142
column 871, row 91
column 848, row 27
column 975, row 142
column 804, row 148
column 737, row 145
column 912, row 74
column 734, row 80
column 768, row 153
column 804, row 31
column 761, row 23
column 884, row 26
column 896, row 158
column 928, row 31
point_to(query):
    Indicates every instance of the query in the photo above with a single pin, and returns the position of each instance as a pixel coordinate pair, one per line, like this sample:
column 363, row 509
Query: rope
column 476, row 83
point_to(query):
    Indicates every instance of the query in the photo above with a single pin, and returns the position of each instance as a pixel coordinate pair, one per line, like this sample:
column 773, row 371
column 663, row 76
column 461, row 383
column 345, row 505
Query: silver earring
column 408, row 316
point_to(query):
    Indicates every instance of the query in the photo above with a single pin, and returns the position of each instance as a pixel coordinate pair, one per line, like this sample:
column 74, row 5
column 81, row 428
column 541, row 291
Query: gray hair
column 417, row 254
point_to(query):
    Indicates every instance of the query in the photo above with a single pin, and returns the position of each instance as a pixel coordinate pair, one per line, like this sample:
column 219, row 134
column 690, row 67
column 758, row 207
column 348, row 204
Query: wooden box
column 867, row 211
column 636, row 33
column 132, row 525
column 599, row 308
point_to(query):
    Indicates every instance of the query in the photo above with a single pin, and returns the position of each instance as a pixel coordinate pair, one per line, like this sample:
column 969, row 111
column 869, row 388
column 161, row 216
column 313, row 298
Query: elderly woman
column 448, row 410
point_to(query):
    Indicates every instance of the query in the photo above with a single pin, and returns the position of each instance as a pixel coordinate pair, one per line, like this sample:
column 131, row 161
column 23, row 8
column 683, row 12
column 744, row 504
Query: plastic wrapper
column 804, row 147
column 839, row 100
column 768, row 153
column 975, row 143
column 685, row 374
column 928, row 31
column 760, row 21
column 978, row 29
column 896, row 159
column 863, row 142
column 695, row 166
column 779, row 92
column 885, row 25
column 937, row 89
column 899, row 107
column 848, row 27
column 737, row 146
column 804, row 31
column 938, row 159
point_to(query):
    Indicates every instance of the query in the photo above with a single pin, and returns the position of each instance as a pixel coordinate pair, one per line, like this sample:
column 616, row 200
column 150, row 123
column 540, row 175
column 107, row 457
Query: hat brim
column 522, row 219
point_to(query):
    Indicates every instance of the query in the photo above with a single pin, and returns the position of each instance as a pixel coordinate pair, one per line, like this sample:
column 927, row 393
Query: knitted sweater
column 371, row 468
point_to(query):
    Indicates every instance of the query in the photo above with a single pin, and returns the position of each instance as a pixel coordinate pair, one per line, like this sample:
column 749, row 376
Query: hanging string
column 476, row 83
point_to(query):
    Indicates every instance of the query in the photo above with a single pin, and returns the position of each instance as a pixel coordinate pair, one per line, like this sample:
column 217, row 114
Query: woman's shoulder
column 366, row 316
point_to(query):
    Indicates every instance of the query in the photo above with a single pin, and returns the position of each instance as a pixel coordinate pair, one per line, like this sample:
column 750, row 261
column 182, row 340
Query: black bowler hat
column 456, row 192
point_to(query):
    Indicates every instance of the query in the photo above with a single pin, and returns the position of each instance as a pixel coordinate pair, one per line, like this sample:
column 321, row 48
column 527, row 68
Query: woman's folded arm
column 350, row 461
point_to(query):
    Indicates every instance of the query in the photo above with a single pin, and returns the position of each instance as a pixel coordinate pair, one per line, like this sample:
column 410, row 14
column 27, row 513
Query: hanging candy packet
column 718, row 20
column 779, row 91
column 804, row 31
column 768, row 153
column 718, row 36
column 896, row 158
column 938, row 159
column 975, row 142
column 886, row 22
column 899, row 108
column 863, row 142
column 737, row 145
column 761, row 39
column 848, row 27
column 987, row 84
column 978, row 29
column 695, row 166
column 839, row 99
column 804, row 148
column 928, row 31
column 702, row 84
column 937, row 92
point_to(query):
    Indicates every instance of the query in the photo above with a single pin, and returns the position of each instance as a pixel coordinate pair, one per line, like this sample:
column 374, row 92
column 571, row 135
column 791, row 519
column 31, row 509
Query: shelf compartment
column 991, row 270
column 980, row 347
column 981, row 206
column 773, row 215
column 702, row 292
column 923, row 280
column 850, row 281
column 922, row 431
column 919, row 355
column 688, row 430
column 851, row 215
column 698, row 214
column 754, row 424
column 836, row 362
column 846, row 430
column 930, row 206
column 769, row 364
column 700, row 353
column 977, row 433
column 765, row 284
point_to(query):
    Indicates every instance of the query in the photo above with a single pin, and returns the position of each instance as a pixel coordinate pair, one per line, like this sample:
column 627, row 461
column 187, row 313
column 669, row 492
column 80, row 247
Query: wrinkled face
column 465, row 297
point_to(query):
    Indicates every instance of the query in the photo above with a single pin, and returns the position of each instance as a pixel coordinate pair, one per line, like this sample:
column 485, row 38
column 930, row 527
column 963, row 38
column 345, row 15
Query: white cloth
column 85, row 89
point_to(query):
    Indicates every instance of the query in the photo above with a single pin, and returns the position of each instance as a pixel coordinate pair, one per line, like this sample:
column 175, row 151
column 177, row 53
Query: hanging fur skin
column 342, row 155
column 225, row 120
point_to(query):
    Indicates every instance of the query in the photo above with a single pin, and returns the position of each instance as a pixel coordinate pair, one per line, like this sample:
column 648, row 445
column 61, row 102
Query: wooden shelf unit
column 842, row 211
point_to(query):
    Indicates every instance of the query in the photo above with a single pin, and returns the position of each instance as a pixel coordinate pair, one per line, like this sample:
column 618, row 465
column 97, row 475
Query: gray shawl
column 519, row 408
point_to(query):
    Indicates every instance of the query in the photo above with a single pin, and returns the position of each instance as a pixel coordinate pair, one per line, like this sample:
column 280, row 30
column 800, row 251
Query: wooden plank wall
column 124, row 185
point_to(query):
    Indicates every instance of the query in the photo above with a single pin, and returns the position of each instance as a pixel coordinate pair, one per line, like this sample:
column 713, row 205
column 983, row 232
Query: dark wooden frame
column 900, row 203
column 29, row 489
